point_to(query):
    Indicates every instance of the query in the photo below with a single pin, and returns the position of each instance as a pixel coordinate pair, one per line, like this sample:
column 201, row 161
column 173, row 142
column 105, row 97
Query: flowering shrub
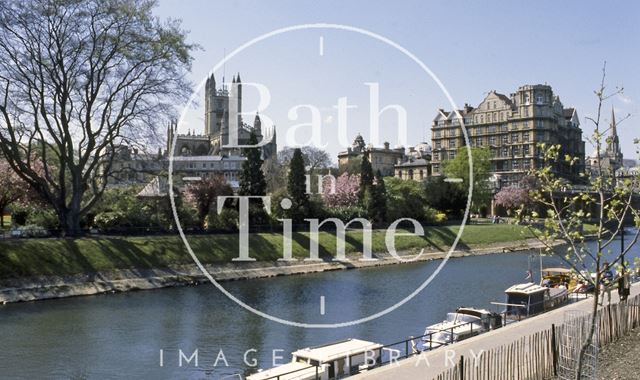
column 346, row 191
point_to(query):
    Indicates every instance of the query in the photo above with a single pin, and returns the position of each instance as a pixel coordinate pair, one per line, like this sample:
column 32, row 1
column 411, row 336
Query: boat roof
column 331, row 351
column 558, row 270
column 302, row 370
column 526, row 288
column 472, row 311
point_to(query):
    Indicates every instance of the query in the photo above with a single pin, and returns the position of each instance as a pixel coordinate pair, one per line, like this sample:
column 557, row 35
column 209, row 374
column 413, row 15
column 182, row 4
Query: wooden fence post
column 554, row 350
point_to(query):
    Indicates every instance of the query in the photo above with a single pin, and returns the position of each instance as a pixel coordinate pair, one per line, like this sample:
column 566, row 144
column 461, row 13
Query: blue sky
column 472, row 47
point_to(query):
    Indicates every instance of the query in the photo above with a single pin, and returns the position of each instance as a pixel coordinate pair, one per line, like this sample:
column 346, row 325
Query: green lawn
column 27, row 257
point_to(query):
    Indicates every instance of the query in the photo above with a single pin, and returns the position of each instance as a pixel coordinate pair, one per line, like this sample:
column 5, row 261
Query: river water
column 122, row 335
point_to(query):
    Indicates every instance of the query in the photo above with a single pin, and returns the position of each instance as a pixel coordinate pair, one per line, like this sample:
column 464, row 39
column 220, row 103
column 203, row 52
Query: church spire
column 614, row 132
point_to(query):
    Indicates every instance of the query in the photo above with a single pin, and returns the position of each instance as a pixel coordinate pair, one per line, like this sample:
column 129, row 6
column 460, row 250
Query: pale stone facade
column 511, row 127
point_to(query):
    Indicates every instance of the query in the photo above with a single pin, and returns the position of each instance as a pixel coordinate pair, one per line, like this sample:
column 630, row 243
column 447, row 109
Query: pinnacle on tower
column 238, row 80
column 614, row 132
column 257, row 123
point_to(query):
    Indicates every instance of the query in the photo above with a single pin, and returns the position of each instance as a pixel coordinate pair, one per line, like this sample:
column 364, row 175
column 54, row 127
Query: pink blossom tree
column 204, row 194
column 512, row 197
column 346, row 191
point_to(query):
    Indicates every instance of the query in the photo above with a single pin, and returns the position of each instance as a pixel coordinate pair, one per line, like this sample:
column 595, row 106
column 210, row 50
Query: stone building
column 511, row 127
column 199, row 155
column 611, row 159
column 416, row 164
column 383, row 159
column 223, row 125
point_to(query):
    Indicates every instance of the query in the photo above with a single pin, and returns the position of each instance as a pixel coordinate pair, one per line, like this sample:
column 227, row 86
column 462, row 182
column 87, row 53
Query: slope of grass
column 29, row 257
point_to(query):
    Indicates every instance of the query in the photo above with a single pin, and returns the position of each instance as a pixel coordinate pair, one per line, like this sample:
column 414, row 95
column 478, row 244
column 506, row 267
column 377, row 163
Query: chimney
column 386, row 145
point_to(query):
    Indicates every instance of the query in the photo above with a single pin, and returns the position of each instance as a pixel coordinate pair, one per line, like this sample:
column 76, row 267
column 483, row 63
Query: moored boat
column 326, row 362
column 464, row 323
column 524, row 300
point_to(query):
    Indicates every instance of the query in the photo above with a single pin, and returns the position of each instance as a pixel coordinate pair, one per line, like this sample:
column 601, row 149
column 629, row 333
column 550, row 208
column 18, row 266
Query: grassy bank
column 65, row 256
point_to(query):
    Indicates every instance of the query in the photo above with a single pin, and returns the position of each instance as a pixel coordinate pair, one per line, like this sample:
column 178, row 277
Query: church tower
column 613, row 151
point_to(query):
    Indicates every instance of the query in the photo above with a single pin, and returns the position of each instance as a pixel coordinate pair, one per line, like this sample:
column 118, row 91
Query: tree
column 405, row 199
column 11, row 188
column 346, row 191
column 297, row 189
column 204, row 194
column 512, row 197
column 78, row 79
column 314, row 158
column 607, row 200
column 252, row 181
column 459, row 168
column 366, row 176
column 376, row 203
column 445, row 196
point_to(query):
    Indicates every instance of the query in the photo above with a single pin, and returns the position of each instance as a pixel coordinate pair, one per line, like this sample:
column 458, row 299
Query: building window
column 525, row 150
column 514, row 138
column 514, row 126
column 492, row 129
column 505, row 139
column 452, row 155
column 526, row 124
column 516, row 150
column 452, row 143
column 492, row 140
column 515, row 165
column 505, row 152
column 539, row 124
column 436, row 168
column 438, row 144
column 525, row 136
column 525, row 165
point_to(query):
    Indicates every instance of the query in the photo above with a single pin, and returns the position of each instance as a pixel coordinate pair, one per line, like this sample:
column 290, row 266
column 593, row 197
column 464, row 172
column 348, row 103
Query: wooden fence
column 535, row 357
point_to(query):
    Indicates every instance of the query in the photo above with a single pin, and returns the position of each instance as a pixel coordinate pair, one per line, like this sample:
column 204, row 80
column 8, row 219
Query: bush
column 43, row 218
column 226, row 221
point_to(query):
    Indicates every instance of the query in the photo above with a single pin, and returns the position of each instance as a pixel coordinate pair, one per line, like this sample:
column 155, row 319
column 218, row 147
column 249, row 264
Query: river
column 122, row 335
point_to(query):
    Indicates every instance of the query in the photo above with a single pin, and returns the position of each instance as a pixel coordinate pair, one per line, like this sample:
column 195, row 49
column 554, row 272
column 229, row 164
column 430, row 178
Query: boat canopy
column 332, row 351
column 289, row 371
column 527, row 288
column 557, row 270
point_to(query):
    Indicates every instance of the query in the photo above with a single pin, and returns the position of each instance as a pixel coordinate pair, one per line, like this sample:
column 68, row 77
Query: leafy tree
column 79, row 78
column 405, row 199
column 353, row 167
column 296, row 187
column 366, row 176
column 204, row 194
column 314, row 158
column 459, row 168
column 568, row 207
column 445, row 196
column 345, row 193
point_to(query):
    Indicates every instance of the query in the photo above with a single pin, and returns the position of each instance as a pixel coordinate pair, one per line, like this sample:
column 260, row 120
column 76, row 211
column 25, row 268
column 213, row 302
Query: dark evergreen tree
column 252, row 180
column 297, row 189
column 366, row 177
column 377, row 200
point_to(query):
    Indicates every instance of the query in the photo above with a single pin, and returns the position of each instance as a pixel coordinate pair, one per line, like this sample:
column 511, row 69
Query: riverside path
column 430, row 364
